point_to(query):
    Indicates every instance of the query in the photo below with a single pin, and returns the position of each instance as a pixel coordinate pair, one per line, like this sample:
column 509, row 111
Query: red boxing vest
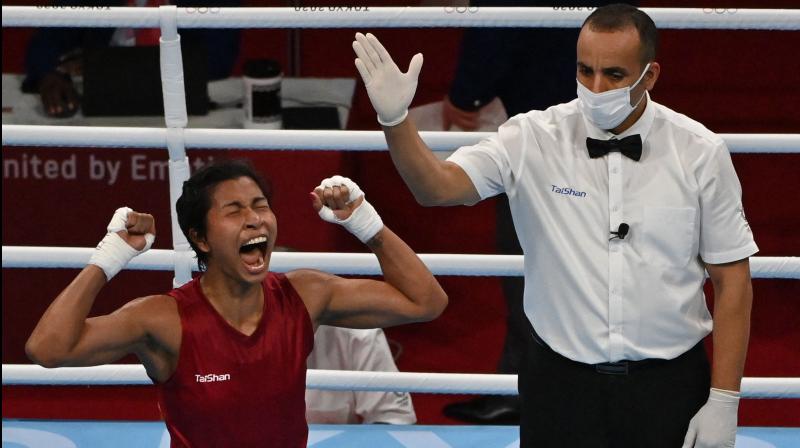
column 235, row 390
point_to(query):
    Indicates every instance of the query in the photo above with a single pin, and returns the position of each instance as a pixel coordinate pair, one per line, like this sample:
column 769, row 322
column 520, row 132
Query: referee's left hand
column 714, row 425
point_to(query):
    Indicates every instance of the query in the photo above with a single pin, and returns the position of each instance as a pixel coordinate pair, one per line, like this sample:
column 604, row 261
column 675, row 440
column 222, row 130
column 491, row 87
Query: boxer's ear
column 199, row 241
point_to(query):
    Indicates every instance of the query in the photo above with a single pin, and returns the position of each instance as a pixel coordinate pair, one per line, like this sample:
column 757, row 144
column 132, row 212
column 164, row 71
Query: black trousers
column 570, row 404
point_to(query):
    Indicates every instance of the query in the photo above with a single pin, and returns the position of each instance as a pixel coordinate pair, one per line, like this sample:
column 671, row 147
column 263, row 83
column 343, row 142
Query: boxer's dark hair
column 195, row 200
column 619, row 16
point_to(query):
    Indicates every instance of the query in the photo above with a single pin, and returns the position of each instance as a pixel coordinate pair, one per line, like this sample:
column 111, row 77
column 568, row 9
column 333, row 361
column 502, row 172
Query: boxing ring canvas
column 69, row 434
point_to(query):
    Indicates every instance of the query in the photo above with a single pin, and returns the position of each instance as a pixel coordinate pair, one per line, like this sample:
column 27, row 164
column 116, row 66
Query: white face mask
column 608, row 109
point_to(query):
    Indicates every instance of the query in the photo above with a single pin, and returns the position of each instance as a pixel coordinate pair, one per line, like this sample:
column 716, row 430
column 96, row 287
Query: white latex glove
column 714, row 425
column 339, row 200
column 389, row 89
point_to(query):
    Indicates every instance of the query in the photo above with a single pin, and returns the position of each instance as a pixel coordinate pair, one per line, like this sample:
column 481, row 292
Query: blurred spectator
column 54, row 55
column 348, row 349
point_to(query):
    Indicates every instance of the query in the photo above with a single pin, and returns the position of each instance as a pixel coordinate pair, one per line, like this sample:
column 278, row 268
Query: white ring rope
column 442, row 383
column 256, row 139
column 389, row 17
column 340, row 263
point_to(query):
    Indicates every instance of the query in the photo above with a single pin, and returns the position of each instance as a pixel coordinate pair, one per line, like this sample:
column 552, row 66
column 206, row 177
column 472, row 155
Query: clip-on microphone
column 621, row 231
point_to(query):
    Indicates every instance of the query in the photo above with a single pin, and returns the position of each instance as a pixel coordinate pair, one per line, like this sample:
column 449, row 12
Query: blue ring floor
column 81, row 433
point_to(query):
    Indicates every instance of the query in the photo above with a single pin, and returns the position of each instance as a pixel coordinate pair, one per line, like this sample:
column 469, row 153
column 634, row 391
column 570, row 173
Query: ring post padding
column 184, row 261
column 178, row 173
column 176, row 145
column 168, row 18
column 172, row 83
column 176, row 118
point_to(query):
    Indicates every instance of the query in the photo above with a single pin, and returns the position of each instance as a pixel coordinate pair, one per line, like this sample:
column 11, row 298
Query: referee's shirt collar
column 641, row 127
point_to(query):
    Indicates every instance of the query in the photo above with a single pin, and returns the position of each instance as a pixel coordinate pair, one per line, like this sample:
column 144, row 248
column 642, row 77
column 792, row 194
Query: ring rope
column 389, row 17
column 315, row 140
column 441, row 383
column 340, row 263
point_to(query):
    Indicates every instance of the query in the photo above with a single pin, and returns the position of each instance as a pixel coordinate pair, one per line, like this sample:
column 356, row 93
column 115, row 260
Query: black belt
column 623, row 367
column 606, row 368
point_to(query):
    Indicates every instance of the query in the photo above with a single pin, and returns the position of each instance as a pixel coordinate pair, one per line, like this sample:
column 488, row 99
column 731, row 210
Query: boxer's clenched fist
column 339, row 200
column 129, row 234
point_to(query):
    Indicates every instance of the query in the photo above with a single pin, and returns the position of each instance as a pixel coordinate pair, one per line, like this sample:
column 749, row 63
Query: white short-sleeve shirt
column 349, row 349
column 591, row 297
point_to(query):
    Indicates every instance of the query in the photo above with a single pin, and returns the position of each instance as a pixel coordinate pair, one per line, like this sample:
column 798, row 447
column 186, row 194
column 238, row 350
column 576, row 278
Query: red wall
column 732, row 81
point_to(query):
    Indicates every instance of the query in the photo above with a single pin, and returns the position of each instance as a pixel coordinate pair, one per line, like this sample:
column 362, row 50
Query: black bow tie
column 630, row 146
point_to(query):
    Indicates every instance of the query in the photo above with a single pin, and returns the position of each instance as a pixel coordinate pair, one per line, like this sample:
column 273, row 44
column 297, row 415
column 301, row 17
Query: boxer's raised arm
column 409, row 292
column 64, row 336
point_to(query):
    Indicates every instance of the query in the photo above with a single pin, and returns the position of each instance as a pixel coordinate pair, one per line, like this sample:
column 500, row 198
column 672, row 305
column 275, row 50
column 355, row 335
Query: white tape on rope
column 252, row 139
column 441, row 383
column 168, row 18
column 172, row 86
column 341, row 263
column 390, row 17
column 183, row 255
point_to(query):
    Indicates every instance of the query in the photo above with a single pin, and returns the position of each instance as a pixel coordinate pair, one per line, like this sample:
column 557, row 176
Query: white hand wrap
column 113, row 253
column 364, row 222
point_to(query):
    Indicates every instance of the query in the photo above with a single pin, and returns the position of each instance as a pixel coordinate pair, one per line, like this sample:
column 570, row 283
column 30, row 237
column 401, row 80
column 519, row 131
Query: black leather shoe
column 486, row 410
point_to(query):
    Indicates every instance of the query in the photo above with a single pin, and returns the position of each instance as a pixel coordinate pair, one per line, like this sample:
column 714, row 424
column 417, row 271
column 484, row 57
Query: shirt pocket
column 668, row 235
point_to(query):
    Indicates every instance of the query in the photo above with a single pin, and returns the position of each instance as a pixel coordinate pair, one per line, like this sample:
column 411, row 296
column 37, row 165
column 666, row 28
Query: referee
column 621, row 206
